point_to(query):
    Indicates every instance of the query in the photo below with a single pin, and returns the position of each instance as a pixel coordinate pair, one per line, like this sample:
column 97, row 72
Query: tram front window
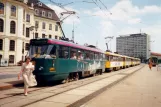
column 42, row 50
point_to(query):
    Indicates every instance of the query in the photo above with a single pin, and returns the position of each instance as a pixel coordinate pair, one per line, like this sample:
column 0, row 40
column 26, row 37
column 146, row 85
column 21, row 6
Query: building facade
column 46, row 21
column 134, row 45
column 17, row 26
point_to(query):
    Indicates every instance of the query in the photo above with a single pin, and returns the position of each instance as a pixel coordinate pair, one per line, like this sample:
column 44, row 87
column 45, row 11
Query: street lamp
column 32, row 29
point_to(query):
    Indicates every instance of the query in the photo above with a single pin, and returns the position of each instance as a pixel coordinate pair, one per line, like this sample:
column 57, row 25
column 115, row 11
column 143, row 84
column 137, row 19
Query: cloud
column 125, row 10
column 69, row 20
column 134, row 21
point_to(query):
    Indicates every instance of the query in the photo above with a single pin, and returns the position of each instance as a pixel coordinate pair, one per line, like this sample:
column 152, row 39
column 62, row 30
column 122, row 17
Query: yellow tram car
column 116, row 61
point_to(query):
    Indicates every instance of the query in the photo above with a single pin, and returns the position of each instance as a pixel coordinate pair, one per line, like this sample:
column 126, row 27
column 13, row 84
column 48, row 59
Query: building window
column 36, row 35
column 43, row 13
column 23, row 29
column 23, row 14
column 27, row 46
column 13, row 27
column 12, row 45
column 23, row 47
column 50, row 36
column 43, row 25
column 40, row 4
column 50, row 26
column 1, row 25
column 0, row 56
column 56, row 37
column 49, row 15
column 37, row 24
column 27, row 32
column 13, row 10
column 56, row 27
column 43, row 35
column 37, row 11
column 1, row 8
column 1, row 44
column 11, row 58
column 27, row 18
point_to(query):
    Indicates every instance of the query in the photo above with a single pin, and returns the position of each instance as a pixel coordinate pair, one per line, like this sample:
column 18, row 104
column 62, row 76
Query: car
column 20, row 63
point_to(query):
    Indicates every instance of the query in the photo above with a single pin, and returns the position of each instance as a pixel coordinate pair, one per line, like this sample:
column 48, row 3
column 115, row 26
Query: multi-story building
column 134, row 45
column 45, row 21
column 17, row 26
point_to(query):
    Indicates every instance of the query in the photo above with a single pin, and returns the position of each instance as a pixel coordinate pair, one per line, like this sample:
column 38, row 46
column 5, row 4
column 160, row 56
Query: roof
column 43, row 7
column 65, row 43
column 155, row 54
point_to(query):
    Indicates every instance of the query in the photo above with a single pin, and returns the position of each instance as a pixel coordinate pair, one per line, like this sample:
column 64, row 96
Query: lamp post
column 32, row 29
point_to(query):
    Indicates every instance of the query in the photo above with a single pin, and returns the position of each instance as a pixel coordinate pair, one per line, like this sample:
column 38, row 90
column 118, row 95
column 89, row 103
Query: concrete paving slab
column 64, row 98
column 40, row 96
column 47, row 104
column 18, row 103
column 9, row 100
column 79, row 92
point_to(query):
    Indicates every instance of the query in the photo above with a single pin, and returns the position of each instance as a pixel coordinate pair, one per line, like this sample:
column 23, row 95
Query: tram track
column 71, row 85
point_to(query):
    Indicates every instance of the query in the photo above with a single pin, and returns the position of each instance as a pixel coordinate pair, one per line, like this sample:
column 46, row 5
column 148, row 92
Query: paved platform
column 8, row 77
column 65, row 94
column 143, row 89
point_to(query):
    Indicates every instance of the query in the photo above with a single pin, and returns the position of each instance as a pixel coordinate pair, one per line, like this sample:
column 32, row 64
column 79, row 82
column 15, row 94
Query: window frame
column 12, row 45
column 13, row 60
column 1, row 25
column 2, row 8
column 28, row 32
column 50, row 26
column 13, row 27
column 28, row 18
column 61, row 49
column 13, row 10
column 43, row 25
column 56, row 27
column 1, row 44
column 27, row 46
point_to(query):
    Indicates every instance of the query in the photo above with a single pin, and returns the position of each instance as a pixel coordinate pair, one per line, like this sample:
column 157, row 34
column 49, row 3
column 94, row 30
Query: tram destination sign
column 38, row 41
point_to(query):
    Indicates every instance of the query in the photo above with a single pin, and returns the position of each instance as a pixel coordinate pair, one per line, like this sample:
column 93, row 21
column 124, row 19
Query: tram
column 116, row 61
column 57, row 60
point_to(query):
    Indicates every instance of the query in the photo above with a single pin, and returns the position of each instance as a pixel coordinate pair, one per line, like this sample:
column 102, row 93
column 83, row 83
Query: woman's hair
column 27, row 58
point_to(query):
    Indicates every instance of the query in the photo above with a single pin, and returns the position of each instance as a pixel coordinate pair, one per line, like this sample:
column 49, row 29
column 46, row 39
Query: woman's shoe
column 25, row 94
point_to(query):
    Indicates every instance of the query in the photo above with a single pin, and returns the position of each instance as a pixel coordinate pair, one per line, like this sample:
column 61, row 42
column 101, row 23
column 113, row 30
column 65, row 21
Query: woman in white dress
column 28, row 77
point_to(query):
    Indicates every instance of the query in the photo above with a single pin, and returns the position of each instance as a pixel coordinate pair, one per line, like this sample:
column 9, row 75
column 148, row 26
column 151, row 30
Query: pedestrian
column 150, row 63
column 28, row 77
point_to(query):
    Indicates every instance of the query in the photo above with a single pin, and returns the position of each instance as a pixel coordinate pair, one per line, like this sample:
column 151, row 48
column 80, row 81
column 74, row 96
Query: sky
column 96, row 19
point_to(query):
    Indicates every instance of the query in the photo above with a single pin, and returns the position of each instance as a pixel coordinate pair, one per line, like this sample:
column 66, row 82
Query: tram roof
column 69, row 44
column 113, row 54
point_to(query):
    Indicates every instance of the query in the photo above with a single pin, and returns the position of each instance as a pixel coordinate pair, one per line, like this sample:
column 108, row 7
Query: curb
column 11, row 84
column 82, row 101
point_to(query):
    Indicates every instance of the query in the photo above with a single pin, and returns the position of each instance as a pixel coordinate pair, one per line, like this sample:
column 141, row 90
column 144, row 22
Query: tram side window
column 91, row 55
column 63, row 52
column 96, row 56
column 111, row 58
column 53, row 51
column 80, row 55
column 104, row 56
column 73, row 53
column 107, row 58
column 87, row 54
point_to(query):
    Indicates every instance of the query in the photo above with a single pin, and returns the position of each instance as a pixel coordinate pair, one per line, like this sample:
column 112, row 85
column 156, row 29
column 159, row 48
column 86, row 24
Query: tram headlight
column 52, row 69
